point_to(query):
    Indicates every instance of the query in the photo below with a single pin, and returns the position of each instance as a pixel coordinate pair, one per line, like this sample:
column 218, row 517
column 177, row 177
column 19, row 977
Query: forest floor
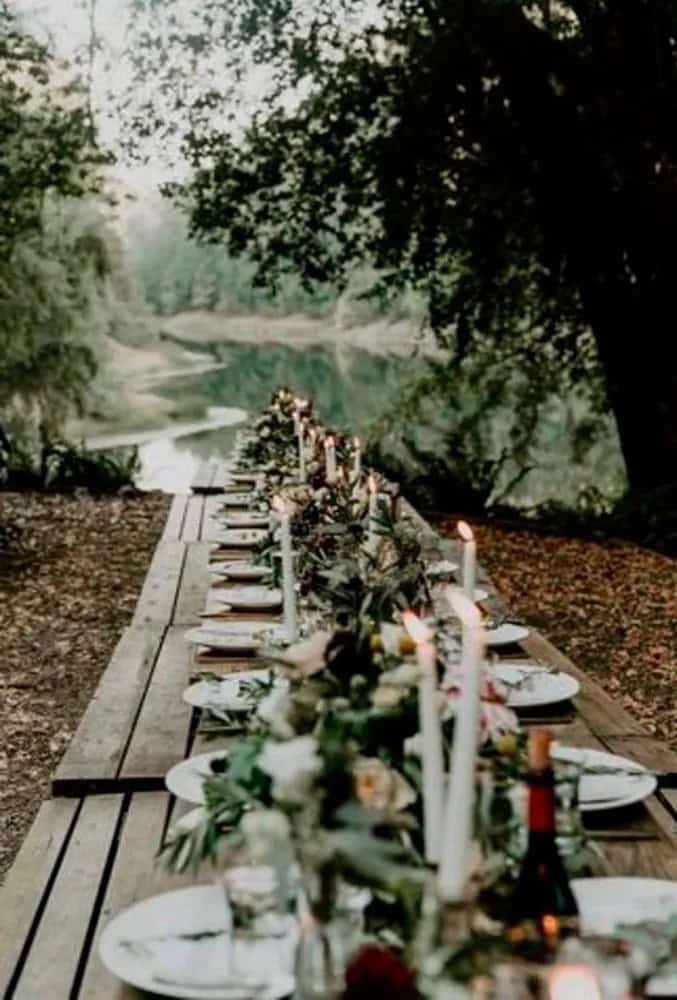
column 65, row 596
column 611, row 607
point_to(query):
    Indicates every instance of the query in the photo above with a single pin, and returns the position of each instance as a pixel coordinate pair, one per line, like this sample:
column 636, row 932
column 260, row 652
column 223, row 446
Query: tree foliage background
column 514, row 161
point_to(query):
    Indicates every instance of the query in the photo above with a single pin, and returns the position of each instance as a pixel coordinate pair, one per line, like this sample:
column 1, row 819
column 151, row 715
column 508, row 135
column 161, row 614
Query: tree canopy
column 57, row 254
column 515, row 161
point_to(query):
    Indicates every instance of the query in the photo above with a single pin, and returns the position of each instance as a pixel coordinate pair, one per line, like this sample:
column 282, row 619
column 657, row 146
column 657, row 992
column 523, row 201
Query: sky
column 65, row 25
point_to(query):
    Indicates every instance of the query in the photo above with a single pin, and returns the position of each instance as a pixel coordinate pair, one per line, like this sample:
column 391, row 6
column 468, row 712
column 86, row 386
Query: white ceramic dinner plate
column 248, row 598
column 234, row 538
column 443, row 567
column 178, row 944
column 506, row 635
column 244, row 519
column 604, row 903
column 531, row 686
column 227, row 694
column 597, row 792
column 236, row 499
column 240, row 570
column 185, row 779
column 233, row 637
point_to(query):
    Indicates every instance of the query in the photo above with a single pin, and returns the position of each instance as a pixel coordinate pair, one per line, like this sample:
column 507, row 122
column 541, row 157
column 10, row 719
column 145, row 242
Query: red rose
column 377, row 972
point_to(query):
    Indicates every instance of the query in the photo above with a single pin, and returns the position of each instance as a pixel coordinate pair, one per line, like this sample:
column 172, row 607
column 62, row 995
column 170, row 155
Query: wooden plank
column 221, row 469
column 28, row 881
column 203, row 478
column 95, row 754
column 645, row 858
column 135, row 876
column 158, row 596
column 52, row 962
column 175, row 518
column 161, row 733
column 194, row 586
column 192, row 526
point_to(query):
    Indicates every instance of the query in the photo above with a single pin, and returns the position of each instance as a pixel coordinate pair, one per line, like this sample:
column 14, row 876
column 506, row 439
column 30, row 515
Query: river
column 352, row 388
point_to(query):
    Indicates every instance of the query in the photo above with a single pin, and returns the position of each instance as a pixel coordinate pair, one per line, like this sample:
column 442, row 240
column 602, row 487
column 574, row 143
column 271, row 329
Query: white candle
column 288, row 582
column 300, row 430
column 573, row 982
column 357, row 466
column 469, row 559
column 330, row 456
column 457, row 827
column 372, row 537
column 432, row 754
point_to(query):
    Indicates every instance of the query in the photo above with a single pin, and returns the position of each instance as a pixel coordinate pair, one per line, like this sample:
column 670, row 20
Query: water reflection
column 170, row 464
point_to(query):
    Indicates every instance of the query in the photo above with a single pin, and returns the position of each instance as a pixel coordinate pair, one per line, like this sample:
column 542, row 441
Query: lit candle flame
column 329, row 442
column 340, row 473
column 465, row 531
column 372, row 484
column 463, row 607
column 357, row 442
column 419, row 632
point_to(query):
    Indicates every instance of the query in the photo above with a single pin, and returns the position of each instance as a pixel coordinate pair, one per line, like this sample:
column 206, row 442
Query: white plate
column 237, row 636
column 248, row 598
column 245, row 538
column 597, row 792
column 443, row 567
column 236, row 499
column 506, row 635
column 537, row 687
column 226, row 693
column 606, row 902
column 240, row 570
column 185, row 779
column 243, row 519
column 143, row 946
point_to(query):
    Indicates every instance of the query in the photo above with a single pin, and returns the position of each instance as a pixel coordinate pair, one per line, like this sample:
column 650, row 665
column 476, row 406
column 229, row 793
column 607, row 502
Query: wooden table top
column 91, row 851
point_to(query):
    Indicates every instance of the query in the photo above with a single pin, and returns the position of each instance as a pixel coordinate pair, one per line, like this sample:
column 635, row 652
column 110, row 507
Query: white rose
column 380, row 787
column 293, row 767
column 307, row 657
column 406, row 676
column 386, row 696
column 274, row 710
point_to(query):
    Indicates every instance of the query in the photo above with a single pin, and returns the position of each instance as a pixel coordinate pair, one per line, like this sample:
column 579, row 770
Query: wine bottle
column 543, row 908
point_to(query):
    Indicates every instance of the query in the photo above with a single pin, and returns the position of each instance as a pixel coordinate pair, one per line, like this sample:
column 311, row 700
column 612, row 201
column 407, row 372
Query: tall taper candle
column 330, row 454
column 432, row 754
column 372, row 537
column 457, row 829
column 288, row 582
column 357, row 466
column 469, row 559
column 300, row 430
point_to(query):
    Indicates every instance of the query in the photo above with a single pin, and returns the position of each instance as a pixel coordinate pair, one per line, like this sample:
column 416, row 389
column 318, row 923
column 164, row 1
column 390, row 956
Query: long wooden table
column 91, row 850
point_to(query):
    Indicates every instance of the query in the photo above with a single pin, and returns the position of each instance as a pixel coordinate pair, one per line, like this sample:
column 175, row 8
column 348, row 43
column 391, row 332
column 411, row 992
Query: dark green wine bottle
column 543, row 908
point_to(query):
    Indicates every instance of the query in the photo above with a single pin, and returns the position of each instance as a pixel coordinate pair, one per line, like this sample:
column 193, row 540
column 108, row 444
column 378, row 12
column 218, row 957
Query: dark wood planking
column 204, row 477
column 95, row 754
column 161, row 732
column 194, row 585
column 28, row 879
column 136, row 875
column 175, row 519
column 192, row 526
column 51, row 965
column 158, row 596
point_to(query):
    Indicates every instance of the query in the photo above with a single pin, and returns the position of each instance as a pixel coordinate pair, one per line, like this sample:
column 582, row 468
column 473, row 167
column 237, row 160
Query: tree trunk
column 637, row 344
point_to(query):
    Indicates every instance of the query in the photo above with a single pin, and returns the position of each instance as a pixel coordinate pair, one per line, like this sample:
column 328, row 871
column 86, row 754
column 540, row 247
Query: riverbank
column 66, row 594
